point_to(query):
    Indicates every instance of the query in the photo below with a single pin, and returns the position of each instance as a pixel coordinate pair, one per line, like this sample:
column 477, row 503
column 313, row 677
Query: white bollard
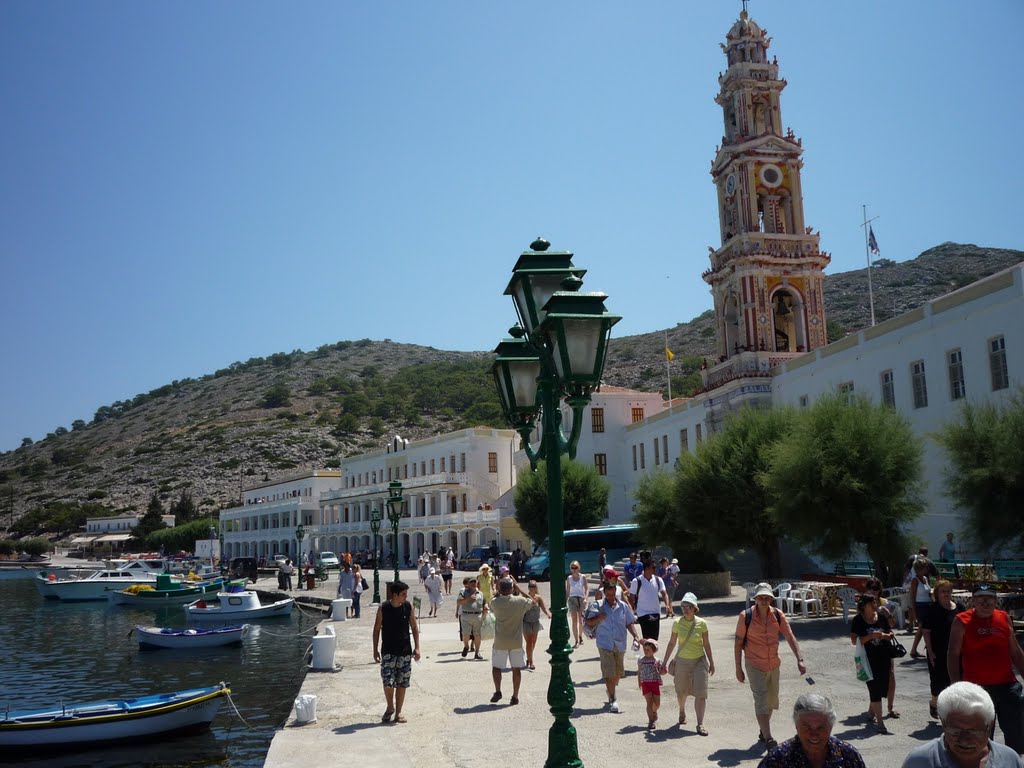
column 323, row 649
column 338, row 608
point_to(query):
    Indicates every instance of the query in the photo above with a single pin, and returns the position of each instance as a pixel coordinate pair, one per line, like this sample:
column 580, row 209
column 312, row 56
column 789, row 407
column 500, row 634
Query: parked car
column 504, row 559
column 329, row 560
column 277, row 561
column 474, row 558
column 245, row 566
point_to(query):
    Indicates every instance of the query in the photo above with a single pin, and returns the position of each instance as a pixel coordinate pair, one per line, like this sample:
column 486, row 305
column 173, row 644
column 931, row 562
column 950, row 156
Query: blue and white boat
column 167, row 637
column 99, row 722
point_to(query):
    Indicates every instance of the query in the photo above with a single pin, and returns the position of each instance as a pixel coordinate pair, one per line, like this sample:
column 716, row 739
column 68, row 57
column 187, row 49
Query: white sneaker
column 614, row 707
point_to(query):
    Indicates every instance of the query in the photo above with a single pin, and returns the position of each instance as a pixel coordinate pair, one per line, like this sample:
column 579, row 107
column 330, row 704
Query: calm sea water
column 78, row 652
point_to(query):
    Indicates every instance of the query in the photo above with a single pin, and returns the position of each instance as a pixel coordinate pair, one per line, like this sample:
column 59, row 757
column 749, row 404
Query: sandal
column 387, row 716
column 893, row 714
column 881, row 729
column 702, row 731
column 400, row 719
column 682, row 719
column 933, row 711
column 771, row 744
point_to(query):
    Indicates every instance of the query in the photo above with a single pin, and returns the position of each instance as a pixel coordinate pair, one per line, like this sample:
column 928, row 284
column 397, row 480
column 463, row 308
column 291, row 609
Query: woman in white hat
column 485, row 581
column 694, row 663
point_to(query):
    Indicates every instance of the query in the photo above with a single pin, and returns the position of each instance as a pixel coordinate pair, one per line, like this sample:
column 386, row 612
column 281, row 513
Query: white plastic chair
column 751, row 588
column 899, row 600
column 848, row 597
column 806, row 598
column 781, row 590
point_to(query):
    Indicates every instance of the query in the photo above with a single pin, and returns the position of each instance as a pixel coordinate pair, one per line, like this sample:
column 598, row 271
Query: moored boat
column 234, row 606
column 167, row 591
column 112, row 720
column 166, row 637
column 81, row 585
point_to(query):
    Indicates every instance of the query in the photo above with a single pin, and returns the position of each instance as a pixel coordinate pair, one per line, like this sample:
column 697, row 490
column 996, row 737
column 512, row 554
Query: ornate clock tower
column 766, row 277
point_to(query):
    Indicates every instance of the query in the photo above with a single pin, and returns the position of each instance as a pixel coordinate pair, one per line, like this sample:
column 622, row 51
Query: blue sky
column 189, row 184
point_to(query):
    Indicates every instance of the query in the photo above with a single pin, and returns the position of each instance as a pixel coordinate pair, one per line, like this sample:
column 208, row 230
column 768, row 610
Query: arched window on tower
column 789, row 321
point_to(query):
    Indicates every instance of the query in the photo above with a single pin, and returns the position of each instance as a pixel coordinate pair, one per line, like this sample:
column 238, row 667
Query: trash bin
column 339, row 608
column 305, row 708
column 310, row 580
column 323, row 649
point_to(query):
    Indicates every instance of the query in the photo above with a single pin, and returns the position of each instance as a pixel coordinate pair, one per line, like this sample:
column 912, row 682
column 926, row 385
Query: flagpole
column 668, row 370
column 867, row 255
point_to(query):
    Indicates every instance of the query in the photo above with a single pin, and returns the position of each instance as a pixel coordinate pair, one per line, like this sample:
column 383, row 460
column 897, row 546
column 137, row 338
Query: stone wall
column 704, row 584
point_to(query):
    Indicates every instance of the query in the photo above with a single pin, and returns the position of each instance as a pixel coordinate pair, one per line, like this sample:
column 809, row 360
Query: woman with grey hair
column 814, row 745
column 967, row 714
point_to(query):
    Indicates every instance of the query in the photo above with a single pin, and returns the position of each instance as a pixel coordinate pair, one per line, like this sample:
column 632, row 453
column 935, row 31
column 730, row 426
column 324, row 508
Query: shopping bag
column 860, row 660
column 487, row 628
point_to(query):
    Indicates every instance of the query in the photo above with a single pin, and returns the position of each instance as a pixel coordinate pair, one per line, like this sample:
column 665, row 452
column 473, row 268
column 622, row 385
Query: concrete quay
column 452, row 723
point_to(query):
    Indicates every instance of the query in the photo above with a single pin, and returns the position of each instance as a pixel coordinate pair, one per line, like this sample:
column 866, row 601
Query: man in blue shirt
column 633, row 568
column 611, row 618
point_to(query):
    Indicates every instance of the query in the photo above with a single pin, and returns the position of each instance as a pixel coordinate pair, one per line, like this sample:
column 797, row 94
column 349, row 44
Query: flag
column 872, row 243
column 669, row 354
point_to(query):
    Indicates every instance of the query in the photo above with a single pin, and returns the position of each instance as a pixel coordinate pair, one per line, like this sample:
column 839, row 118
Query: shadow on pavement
column 730, row 757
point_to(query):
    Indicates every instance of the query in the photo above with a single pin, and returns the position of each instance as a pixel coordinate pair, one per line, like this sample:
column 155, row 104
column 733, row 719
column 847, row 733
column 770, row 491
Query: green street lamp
column 223, row 560
column 557, row 352
column 213, row 533
column 375, row 530
column 396, row 507
column 300, row 533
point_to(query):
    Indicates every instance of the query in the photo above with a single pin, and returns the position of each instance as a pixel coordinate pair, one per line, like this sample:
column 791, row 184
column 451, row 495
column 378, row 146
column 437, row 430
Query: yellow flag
column 669, row 355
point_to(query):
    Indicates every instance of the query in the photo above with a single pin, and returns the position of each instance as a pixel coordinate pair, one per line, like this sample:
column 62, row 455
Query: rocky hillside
column 271, row 416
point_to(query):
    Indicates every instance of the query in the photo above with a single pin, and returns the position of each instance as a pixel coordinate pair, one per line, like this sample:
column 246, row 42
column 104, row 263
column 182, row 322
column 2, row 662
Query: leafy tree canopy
column 584, row 498
column 181, row 537
column 152, row 519
column 848, row 475
column 985, row 477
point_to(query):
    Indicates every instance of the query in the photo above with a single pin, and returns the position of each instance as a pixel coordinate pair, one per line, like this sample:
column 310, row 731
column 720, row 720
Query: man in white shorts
column 507, row 650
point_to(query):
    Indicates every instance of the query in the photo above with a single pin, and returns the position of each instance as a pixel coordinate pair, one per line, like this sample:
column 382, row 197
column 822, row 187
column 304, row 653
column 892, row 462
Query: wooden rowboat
column 114, row 720
column 165, row 637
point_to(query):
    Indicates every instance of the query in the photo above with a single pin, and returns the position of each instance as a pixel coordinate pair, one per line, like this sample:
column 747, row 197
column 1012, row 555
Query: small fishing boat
column 167, row 591
column 165, row 637
column 235, row 606
column 26, row 561
column 80, row 585
column 114, row 720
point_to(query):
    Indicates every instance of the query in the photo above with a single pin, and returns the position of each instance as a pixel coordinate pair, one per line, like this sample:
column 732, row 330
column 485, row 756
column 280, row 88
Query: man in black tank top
column 392, row 649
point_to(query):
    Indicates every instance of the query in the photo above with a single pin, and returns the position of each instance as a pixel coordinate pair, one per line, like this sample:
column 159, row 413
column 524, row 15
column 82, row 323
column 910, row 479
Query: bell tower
column 766, row 276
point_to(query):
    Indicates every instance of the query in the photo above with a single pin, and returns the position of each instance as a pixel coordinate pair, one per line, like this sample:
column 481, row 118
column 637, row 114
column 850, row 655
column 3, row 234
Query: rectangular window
column 423, row 467
column 432, row 466
column 597, row 419
column 803, row 401
column 664, row 447
column 462, row 462
column 451, row 462
column 492, row 462
column 601, row 462
column 846, row 390
column 634, row 458
column 414, row 469
column 405, row 473
column 638, row 415
column 919, row 384
column 657, row 452
column 442, row 464
column 643, row 463
column 888, row 390
column 684, row 441
column 997, row 363
column 696, row 433
column 389, row 474
column 957, row 385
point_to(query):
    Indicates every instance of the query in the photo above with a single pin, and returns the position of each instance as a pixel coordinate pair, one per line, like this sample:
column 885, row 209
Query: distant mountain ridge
column 268, row 417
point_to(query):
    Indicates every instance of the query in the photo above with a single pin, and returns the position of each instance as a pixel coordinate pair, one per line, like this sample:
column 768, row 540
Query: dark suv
column 245, row 566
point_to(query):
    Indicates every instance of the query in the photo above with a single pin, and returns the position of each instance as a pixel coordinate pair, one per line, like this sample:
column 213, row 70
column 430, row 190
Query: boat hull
column 235, row 607
column 96, row 587
column 158, row 598
column 113, row 720
column 157, row 637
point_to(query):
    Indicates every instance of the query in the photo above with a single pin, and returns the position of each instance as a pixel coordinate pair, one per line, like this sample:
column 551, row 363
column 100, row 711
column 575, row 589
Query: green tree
column 26, row 441
column 584, row 498
column 718, row 489
column 181, row 537
column 151, row 520
column 77, row 424
column 278, row 396
column 835, row 330
column 847, row 475
column 184, row 509
column 985, row 476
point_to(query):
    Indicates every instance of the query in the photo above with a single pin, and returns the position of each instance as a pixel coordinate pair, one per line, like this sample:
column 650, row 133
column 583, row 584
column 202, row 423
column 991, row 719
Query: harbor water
column 55, row 652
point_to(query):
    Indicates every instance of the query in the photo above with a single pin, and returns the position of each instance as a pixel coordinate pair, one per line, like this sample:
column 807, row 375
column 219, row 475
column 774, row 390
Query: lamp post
column 213, row 533
column 556, row 352
column 396, row 511
column 375, row 530
column 300, row 533
column 223, row 566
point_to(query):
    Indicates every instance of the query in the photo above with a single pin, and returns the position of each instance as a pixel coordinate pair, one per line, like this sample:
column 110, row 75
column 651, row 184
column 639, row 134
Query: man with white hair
column 507, row 648
column 967, row 714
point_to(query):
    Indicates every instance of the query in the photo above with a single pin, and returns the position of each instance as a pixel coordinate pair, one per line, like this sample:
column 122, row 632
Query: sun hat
column 651, row 642
column 609, row 571
column 485, row 567
column 503, row 570
column 764, row 589
column 675, row 561
column 691, row 598
column 432, row 571
column 984, row 589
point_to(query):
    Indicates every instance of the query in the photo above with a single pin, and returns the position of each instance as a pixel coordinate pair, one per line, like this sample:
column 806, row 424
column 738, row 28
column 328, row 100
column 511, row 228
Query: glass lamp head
column 537, row 275
column 577, row 327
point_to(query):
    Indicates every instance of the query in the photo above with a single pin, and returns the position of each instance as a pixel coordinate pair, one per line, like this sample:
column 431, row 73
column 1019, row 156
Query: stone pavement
column 451, row 722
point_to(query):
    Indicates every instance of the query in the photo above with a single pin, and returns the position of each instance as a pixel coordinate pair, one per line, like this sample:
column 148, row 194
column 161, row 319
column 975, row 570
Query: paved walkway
column 451, row 722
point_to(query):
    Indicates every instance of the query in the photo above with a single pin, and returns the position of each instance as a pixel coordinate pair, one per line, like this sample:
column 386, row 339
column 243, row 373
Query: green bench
column 948, row 570
column 855, row 568
column 1008, row 569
